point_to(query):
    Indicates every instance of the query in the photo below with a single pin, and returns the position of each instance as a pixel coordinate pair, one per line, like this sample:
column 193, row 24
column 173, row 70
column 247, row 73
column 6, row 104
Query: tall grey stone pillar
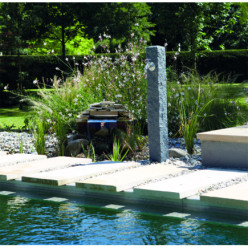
column 157, row 104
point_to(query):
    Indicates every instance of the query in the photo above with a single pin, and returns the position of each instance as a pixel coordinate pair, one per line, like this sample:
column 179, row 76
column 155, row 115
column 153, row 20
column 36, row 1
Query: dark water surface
column 25, row 221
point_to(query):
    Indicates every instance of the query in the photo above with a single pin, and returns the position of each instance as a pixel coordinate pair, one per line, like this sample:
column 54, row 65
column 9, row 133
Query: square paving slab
column 17, row 171
column 128, row 179
column 186, row 185
column 232, row 196
column 77, row 173
column 14, row 159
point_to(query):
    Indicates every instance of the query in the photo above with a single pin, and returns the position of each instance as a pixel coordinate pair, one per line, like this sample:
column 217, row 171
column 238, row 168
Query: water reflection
column 39, row 222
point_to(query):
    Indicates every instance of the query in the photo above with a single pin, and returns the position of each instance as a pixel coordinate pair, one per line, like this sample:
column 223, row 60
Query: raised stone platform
column 18, row 170
column 77, row 173
column 226, row 148
column 128, row 179
column 187, row 185
column 233, row 196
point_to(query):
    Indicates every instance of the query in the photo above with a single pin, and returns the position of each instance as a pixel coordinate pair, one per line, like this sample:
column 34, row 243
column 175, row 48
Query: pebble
column 10, row 143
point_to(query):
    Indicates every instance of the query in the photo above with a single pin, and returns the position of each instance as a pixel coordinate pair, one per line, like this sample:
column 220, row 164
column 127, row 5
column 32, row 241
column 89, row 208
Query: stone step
column 187, row 185
column 18, row 170
column 128, row 179
column 77, row 173
column 233, row 134
column 232, row 196
column 14, row 159
column 225, row 148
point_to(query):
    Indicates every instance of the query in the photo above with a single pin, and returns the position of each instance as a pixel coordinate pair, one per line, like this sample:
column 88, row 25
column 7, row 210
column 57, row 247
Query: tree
column 14, row 22
column 196, row 26
column 57, row 23
column 118, row 20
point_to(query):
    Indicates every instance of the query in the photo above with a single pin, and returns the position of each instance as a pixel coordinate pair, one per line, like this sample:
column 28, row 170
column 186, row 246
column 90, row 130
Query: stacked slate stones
column 100, row 124
column 108, row 111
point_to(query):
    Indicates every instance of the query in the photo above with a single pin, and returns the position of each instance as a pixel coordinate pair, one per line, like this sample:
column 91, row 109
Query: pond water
column 28, row 221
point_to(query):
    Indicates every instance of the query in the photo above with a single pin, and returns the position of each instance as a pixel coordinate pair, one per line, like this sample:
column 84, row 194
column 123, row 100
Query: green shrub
column 225, row 111
column 38, row 128
column 122, row 80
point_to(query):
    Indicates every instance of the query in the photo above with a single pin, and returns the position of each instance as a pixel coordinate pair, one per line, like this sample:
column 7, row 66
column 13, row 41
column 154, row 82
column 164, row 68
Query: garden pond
column 26, row 221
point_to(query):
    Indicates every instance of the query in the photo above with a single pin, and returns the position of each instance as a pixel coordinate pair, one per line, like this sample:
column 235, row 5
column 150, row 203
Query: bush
column 224, row 111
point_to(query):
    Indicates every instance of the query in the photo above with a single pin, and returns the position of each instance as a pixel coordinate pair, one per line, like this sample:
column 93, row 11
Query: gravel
column 10, row 143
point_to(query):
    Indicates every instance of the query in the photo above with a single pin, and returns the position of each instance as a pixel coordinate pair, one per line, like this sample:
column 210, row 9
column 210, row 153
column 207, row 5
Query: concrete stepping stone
column 77, row 173
column 14, row 159
column 128, row 179
column 186, row 185
column 232, row 196
column 17, row 171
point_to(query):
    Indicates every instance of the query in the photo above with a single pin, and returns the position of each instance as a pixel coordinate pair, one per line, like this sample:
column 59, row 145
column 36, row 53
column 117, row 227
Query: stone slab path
column 77, row 173
column 232, row 196
column 187, row 185
column 128, row 179
column 16, row 171
column 14, row 159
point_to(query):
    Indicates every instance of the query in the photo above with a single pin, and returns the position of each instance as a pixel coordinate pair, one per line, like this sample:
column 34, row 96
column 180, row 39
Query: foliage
column 225, row 111
column 189, row 120
column 121, row 80
column 37, row 127
column 20, row 144
column 197, row 26
column 119, row 20
column 78, row 45
column 58, row 23
column 90, row 152
column 117, row 154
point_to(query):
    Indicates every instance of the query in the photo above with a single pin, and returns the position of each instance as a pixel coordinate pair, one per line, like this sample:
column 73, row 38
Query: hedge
column 44, row 67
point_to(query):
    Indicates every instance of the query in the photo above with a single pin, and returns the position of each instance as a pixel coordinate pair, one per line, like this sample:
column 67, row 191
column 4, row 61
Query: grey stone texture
column 224, row 154
column 157, row 105
column 75, row 147
column 177, row 153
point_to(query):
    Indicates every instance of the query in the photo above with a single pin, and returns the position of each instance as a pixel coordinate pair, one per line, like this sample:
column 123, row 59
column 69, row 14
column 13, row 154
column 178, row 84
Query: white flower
column 66, row 59
column 45, row 43
column 52, row 51
column 35, row 81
